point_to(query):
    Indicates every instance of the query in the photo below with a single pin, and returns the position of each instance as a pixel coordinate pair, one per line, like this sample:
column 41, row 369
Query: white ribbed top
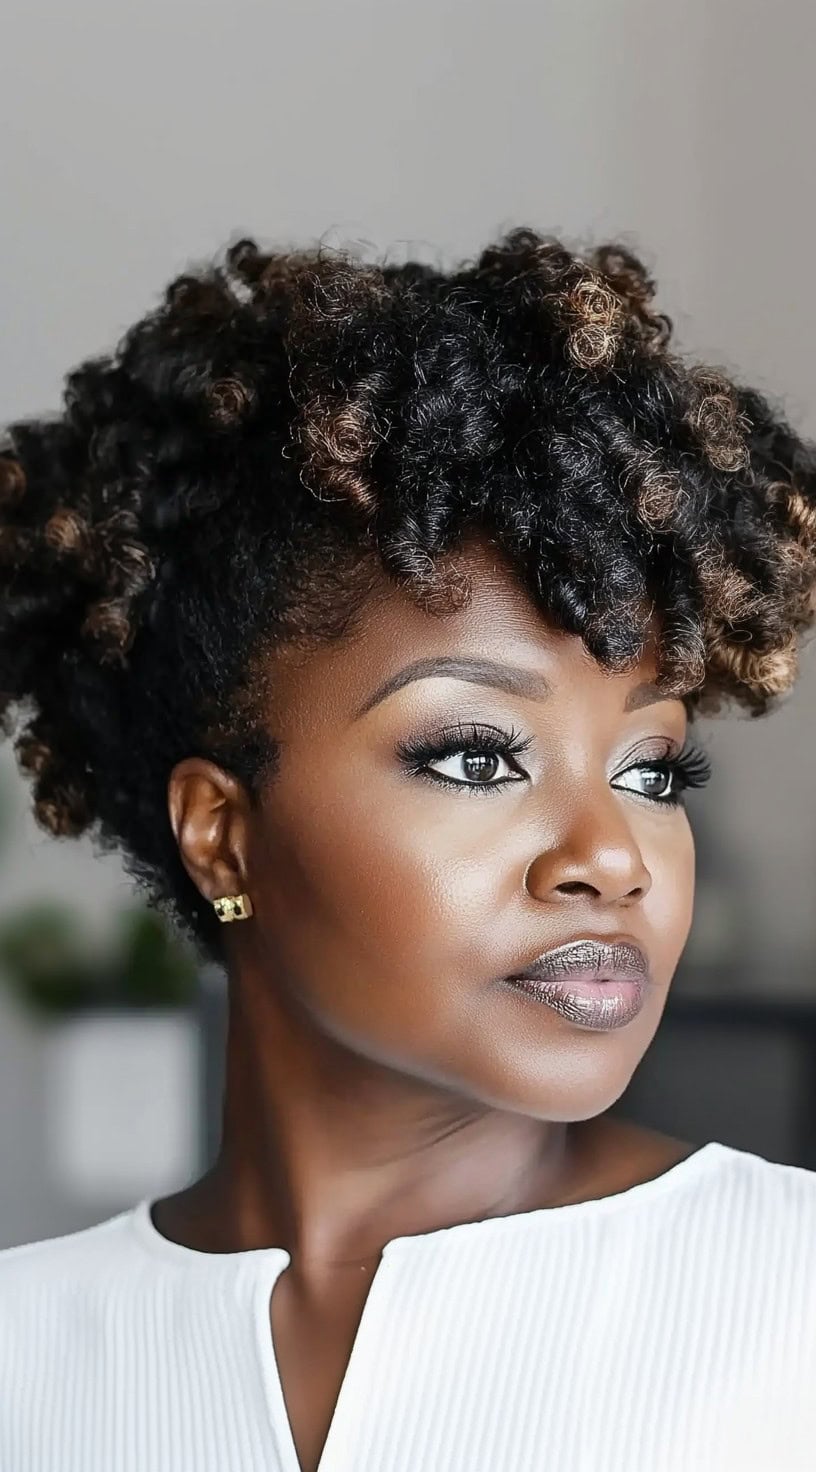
column 669, row 1328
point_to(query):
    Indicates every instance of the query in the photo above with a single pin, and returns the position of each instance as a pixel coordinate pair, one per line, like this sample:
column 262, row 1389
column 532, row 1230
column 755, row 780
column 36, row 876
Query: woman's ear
column 209, row 815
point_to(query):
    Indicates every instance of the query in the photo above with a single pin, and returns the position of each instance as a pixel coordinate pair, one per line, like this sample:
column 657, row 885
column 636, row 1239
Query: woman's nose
column 597, row 857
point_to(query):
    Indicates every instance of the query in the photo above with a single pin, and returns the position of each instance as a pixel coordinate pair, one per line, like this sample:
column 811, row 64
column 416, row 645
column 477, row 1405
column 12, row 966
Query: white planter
column 123, row 1108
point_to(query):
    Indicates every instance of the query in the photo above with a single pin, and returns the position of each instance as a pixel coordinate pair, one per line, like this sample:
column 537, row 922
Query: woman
column 366, row 608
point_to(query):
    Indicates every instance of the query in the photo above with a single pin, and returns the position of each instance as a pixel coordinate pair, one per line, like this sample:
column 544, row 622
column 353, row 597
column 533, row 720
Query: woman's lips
column 592, row 982
column 589, row 1003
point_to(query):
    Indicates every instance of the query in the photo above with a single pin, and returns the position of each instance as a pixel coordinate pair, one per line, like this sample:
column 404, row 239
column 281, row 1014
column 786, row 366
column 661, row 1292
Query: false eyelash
column 691, row 765
column 416, row 754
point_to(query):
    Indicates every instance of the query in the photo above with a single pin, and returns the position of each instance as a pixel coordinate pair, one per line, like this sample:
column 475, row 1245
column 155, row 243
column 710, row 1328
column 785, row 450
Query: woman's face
column 392, row 904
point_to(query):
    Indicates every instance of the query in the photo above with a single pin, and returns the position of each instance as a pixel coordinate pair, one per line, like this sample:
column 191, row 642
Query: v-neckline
column 330, row 1458
column 266, row 1264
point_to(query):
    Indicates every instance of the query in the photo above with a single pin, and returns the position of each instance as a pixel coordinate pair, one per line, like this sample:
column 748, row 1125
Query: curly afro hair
column 283, row 422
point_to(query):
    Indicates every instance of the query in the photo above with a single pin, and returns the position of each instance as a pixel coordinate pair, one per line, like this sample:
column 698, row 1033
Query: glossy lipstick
column 592, row 983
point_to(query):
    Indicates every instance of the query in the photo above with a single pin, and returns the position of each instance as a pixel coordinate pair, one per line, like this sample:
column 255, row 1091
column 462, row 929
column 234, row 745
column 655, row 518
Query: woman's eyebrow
column 510, row 678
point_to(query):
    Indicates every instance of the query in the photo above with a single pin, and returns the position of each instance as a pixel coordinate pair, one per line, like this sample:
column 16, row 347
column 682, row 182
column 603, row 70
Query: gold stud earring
column 233, row 907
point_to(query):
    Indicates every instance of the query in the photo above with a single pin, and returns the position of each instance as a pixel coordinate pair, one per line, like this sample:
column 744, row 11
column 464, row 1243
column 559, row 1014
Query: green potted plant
column 118, row 1025
column 55, row 968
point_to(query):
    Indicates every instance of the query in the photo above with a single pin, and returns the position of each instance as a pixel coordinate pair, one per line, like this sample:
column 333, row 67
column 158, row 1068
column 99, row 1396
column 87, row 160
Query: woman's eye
column 652, row 779
column 479, row 768
column 468, row 757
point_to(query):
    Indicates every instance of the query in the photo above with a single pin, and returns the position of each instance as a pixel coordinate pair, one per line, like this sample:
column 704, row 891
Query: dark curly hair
column 284, row 422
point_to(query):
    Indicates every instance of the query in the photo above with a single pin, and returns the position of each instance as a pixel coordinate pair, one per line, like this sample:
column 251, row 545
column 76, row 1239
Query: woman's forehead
column 500, row 626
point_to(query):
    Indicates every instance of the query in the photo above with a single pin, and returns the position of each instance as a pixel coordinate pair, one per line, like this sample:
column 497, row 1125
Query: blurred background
column 139, row 139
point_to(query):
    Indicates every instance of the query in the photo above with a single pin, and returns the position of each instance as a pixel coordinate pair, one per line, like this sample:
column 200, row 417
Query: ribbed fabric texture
column 670, row 1328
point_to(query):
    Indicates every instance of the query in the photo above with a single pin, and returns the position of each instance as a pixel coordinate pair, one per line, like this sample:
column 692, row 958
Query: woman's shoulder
column 60, row 1259
column 737, row 1223
column 742, row 1186
column 654, row 1168
column 714, row 1209
column 761, row 1189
